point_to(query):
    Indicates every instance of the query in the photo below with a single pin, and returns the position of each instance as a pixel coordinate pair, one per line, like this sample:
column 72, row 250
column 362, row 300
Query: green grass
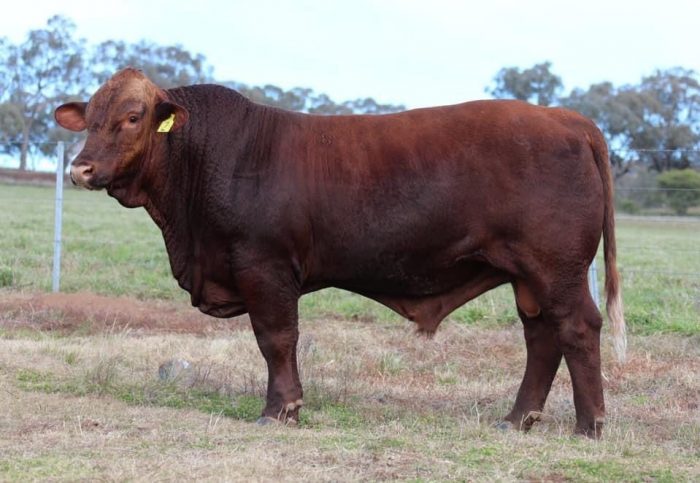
column 660, row 265
column 107, row 249
column 103, row 380
column 155, row 393
column 111, row 250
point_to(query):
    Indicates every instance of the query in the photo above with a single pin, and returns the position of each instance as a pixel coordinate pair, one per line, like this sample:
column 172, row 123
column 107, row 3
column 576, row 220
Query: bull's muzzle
column 81, row 174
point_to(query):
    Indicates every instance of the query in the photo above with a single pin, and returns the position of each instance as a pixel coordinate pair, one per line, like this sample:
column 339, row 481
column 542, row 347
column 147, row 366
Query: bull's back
column 444, row 170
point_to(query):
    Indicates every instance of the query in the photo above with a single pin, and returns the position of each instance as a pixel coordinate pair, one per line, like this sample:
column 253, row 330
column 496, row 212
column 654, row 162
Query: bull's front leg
column 271, row 297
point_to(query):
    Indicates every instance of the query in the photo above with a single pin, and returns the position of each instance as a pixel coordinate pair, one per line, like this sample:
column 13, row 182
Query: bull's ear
column 170, row 116
column 71, row 116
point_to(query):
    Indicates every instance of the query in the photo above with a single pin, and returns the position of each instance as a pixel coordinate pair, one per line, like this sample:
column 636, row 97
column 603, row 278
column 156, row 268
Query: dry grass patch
column 381, row 404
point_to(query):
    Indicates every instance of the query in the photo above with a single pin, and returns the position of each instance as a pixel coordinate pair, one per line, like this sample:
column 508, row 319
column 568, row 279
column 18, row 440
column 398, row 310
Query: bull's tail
column 612, row 277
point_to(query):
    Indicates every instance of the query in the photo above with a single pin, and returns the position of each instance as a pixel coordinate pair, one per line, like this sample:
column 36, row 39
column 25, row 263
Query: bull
column 421, row 211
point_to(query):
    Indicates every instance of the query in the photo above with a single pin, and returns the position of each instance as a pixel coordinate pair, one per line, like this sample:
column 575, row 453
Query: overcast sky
column 418, row 53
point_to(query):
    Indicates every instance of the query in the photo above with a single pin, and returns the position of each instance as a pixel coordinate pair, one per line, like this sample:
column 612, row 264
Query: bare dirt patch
column 88, row 313
column 31, row 178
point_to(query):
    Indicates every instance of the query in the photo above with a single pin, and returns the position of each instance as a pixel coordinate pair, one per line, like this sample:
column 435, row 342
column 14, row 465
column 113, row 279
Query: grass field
column 82, row 400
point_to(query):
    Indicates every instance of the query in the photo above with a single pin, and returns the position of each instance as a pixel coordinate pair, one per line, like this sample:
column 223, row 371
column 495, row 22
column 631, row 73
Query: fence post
column 593, row 283
column 58, row 218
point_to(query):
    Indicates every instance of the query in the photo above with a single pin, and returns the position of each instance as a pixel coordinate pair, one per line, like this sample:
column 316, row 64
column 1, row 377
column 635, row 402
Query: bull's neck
column 225, row 137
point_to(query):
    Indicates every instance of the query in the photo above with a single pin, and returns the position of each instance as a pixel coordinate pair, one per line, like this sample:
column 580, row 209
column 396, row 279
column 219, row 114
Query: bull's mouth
column 80, row 182
column 89, row 183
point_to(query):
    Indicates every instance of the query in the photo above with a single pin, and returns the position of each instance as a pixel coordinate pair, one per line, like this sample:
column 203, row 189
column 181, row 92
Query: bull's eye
column 133, row 119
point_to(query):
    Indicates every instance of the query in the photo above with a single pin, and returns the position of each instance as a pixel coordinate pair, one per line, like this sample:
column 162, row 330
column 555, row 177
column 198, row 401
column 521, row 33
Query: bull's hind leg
column 579, row 338
column 567, row 324
column 543, row 359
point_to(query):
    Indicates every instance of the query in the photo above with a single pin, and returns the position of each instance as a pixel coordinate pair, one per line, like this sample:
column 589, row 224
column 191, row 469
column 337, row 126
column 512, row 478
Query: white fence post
column 593, row 283
column 58, row 219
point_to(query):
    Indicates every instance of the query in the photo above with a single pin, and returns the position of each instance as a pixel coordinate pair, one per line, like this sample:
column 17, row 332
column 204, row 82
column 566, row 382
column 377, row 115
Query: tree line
column 655, row 123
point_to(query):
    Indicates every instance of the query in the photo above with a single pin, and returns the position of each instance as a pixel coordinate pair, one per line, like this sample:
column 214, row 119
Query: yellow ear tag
column 167, row 125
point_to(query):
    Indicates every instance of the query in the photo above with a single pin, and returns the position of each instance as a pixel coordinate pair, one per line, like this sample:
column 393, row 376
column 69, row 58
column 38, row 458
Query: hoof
column 590, row 433
column 504, row 426
column 287, row 415
column 266, row 421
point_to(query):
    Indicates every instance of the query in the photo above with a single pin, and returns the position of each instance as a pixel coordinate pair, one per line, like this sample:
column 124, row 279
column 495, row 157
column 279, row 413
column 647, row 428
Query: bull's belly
column 413, row 280
column 219, row 300
column 427, row 298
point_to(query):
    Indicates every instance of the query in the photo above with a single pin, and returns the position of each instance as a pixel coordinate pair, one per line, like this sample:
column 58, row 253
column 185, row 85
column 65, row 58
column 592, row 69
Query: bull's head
column 122, row 119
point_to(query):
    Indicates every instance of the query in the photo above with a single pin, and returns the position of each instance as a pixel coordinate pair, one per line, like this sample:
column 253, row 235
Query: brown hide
column 421, row 211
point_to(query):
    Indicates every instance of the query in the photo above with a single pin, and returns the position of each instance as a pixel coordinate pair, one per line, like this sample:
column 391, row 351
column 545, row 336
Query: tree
column 655, row 122
column 536, row 84
column 670, row 108
column 294, row 100
column 167, row 66
column 306, row 100
column 4, row 74
column 322, row 104
column 40, row 73
column 612, row 112
column 683, row 189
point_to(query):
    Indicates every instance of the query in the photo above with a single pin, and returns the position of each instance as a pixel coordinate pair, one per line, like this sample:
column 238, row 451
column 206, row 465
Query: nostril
column 82, row 172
